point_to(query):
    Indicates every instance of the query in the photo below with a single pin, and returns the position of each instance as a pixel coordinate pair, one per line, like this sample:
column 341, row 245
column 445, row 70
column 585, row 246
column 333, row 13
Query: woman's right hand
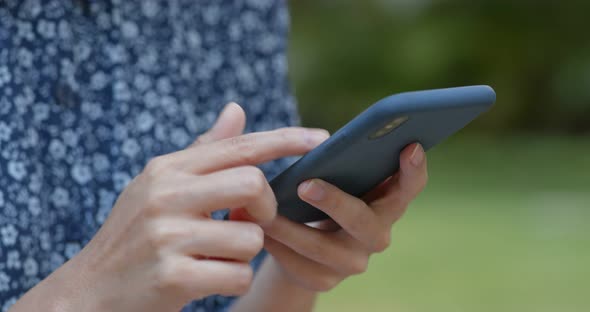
column 159, row 248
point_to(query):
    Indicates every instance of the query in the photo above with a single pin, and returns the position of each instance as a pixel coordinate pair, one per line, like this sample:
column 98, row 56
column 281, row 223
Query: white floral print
column 87, row 98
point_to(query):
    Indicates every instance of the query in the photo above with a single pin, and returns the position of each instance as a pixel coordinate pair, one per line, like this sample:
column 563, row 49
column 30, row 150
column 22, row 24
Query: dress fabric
column 89, row 93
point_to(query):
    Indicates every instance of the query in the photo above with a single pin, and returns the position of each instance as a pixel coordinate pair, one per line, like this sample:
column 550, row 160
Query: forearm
column 272, row 291
column 59, row 292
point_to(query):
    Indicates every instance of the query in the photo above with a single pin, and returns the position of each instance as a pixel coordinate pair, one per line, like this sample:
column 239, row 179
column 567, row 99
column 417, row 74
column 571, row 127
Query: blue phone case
column 356, row 163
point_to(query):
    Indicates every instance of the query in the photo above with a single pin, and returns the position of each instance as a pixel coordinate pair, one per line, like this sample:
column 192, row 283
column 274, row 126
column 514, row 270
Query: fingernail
column 417, row 156
column 316, row 136
column 312, row 189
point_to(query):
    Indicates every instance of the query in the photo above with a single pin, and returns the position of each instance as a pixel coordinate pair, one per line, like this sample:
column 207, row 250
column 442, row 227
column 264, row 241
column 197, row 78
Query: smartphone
column 365, row 152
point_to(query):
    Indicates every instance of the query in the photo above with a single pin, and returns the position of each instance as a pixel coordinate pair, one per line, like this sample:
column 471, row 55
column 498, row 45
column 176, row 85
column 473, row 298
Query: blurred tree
column 536, row 54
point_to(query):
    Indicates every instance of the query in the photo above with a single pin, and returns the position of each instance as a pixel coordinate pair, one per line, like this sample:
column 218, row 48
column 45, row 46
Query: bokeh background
column 504, row 224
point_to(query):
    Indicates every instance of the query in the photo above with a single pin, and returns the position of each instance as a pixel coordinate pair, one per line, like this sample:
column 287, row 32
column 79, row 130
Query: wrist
column 282, row 279
column 274, row 290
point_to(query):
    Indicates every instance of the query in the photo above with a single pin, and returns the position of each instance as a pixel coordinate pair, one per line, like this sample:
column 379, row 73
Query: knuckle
column 332, row 199
column 202, row 139
column 293, row 135
column 157, row 165
column 159, row 234
column 239, row 141
column 360, row 220
column 169, row 278
column 317, row 249
column 166, row 196
column 257, row 237
column 359, row 265
column 153, row 205
column 158, row 199
column 288, row 134
column 382, row 242
column 251, row 241
column 243, row 280
column 244, row 147
column 254, row 182
column 324, row 283
column 155, row 235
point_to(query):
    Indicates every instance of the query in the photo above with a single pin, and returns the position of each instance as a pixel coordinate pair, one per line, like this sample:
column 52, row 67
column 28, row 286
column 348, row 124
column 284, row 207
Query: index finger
column 411, row 180
column 249, row 149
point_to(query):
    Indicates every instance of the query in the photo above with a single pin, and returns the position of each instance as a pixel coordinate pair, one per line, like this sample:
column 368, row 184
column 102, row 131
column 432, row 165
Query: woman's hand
column 159, row 248
column 318, row 258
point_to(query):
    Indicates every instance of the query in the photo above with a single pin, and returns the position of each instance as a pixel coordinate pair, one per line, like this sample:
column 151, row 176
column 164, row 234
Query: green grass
column 504, row 225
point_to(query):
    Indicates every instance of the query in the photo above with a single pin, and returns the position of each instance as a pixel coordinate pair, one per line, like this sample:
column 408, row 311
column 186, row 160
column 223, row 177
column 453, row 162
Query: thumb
column 230, row 123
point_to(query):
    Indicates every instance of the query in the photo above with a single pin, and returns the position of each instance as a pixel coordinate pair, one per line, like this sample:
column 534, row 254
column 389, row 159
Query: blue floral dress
column 89, row 93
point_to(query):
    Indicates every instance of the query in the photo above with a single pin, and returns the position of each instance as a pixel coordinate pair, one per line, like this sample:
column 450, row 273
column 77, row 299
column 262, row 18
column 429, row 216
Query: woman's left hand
column 319, row 258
